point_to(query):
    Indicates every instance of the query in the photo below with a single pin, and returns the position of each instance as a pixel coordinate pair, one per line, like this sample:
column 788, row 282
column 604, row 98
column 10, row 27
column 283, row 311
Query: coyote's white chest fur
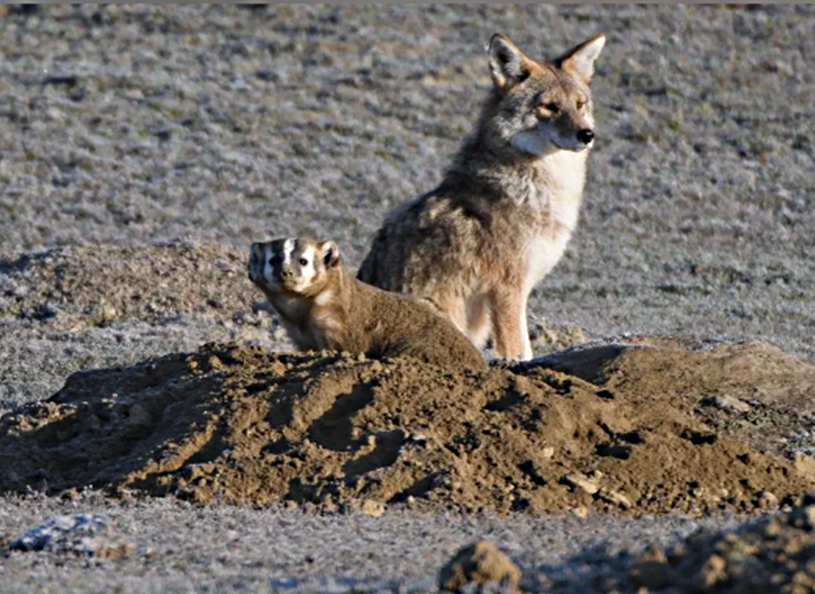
column 556, row 194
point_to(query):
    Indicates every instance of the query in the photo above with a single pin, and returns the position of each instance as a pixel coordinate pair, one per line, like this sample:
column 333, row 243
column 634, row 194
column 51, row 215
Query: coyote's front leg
column 507, row 309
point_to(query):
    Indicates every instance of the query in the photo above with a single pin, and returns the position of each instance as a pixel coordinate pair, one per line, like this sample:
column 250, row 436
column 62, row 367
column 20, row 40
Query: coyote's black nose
column 585, row 136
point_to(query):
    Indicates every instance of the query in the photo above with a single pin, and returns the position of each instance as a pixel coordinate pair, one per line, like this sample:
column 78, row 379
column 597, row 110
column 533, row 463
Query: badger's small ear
column 580, row 60
column 508, row 65
column 331, row 254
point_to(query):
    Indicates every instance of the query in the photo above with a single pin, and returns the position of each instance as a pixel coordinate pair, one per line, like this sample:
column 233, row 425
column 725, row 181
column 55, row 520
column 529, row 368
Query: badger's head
column 300, row 266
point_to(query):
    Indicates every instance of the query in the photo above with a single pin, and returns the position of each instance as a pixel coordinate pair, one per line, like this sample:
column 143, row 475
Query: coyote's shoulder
column 500, row 220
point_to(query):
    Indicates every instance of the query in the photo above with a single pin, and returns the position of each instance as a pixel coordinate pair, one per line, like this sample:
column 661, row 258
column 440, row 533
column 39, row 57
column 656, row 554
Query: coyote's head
column 540, row 107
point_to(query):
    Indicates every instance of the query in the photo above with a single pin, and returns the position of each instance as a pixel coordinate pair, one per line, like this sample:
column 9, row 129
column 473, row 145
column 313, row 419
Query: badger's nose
column 286, row 273
column 585, row 136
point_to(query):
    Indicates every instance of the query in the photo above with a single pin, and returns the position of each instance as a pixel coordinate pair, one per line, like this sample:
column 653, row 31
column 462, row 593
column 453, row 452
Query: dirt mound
column 775, row 554
column 240, row 424
column 100, row 285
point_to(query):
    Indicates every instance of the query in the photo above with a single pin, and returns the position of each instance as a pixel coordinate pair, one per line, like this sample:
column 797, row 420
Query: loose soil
column 87, row 286
column 619, row 427
column 777, row 550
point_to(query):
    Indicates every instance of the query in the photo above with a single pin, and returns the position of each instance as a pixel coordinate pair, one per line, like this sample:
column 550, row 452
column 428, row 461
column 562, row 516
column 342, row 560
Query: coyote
column 476, row 246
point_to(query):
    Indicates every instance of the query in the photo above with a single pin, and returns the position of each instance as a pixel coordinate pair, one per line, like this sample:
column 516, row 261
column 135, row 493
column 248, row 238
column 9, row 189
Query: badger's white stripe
column 266, row 255
column 288, row 248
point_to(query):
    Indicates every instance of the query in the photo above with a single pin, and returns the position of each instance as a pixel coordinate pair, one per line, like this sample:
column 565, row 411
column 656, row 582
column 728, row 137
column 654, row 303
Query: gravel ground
column 131, row 125
column 180, row 548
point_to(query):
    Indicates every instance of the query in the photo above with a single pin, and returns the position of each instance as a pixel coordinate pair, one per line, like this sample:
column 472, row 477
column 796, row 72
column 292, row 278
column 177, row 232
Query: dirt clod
column 776, row 552
column 479, row 563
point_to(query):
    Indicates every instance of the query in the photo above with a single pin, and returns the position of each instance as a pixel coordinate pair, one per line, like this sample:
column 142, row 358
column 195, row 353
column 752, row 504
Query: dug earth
column 638, row 428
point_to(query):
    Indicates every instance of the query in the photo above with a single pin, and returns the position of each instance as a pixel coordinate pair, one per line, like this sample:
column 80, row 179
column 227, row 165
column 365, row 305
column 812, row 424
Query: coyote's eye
column 303, row 262
column 550, row 107
column 581, row 103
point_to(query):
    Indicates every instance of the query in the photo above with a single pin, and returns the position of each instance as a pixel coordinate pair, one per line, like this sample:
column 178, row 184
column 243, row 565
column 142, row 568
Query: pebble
column 72, row 533
column 580, row 481
column 726, row 403
column 372, row 508
column 615, row 497
column 138, row 415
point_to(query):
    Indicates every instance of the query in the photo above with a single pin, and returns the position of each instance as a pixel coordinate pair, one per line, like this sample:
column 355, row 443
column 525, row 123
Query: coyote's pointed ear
column 508, row 65
column 330, row 254
column 580, row 60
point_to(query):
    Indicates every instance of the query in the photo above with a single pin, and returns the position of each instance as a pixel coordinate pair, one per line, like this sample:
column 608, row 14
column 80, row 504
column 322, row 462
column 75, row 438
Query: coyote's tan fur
column 500, row 220
column 323, row 307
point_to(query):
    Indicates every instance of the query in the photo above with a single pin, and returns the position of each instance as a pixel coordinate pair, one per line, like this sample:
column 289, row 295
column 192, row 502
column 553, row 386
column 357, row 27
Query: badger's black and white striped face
column 290, row 264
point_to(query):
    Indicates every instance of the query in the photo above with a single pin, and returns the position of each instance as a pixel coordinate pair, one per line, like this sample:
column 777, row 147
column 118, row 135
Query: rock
column 615, row 497
column 580, row 481
column 548, row 452
column 372, row 508
column 115, row 552
column 767, row 499
column 726, row 403
column 581, row 512
column 804, row 464
column 138, row 415
column 651, row 570
column 84, row 534
column 713, row 572
column 803, row 518
column 479, row 563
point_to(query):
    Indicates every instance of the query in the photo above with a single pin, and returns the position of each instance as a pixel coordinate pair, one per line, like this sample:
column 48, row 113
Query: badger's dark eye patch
column 274, row 260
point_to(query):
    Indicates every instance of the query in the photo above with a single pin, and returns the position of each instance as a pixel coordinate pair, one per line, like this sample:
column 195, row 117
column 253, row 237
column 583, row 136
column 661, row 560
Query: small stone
column 77, row 533
column 547, row 452
column 804, row 518
column 372, row 508
column 138, row 415
column 479, row 563
column 107, row 313
column 70, row 494
column 767, row 499
column 581, row 512
column 615, row 498
column 267, row 75
column 712, row 573
column 651, row 571
column 726, row 403
column 804, row 464
column 115, row 552
column 580, row 481
column 44, row 311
